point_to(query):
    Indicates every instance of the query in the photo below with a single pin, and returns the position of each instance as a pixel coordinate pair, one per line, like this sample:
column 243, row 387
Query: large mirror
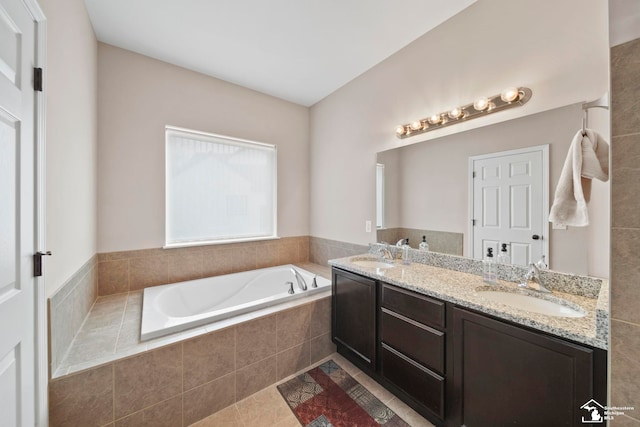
column 427, row 189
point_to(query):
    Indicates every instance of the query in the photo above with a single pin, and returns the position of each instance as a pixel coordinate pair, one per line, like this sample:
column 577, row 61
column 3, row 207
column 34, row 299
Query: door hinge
column 473, row 174
column 473, row 222
column 37, row 79
column 37, row 262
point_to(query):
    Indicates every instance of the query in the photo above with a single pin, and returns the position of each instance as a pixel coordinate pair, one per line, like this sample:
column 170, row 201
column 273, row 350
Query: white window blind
column 218, row 189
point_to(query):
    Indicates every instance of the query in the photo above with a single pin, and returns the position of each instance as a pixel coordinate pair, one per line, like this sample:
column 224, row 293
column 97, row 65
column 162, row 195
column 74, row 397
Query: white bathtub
column 179, row 306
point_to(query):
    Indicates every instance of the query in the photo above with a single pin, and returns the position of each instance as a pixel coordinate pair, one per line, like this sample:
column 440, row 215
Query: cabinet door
column 506, row 375
column 354, row 311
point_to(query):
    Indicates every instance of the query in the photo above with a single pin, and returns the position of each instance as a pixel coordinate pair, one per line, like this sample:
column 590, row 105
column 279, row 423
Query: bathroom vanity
column 429, row 336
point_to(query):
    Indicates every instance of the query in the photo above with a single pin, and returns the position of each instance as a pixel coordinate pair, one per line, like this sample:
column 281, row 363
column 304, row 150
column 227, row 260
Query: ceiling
column 297, row 50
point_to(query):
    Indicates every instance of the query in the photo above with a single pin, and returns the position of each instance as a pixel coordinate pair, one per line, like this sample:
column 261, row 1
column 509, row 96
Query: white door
column 509, row 204
column 17, row 215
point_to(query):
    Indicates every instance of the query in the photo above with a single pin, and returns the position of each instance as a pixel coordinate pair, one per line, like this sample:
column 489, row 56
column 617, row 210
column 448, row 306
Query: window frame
column 200, row 135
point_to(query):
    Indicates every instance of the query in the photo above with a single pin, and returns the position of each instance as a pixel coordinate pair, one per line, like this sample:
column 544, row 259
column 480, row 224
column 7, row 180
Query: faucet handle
column 290, row 291
column 314, row 282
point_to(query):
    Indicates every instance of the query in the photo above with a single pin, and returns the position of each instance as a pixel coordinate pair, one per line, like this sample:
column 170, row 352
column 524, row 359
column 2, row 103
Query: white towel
column 588, row 158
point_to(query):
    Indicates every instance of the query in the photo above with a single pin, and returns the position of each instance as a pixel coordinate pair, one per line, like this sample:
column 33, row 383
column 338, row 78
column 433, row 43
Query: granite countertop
column 463, row 289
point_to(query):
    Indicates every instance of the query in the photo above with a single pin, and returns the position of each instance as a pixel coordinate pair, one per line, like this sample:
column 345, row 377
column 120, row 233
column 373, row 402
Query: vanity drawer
column 414, row 306
column 421, row 343
column 424, row 386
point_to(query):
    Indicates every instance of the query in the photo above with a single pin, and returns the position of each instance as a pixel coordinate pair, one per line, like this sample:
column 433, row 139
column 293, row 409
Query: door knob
column 536, row 237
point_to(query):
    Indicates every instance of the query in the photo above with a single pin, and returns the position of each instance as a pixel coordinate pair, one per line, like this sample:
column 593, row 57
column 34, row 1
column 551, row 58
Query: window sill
column 217, row 242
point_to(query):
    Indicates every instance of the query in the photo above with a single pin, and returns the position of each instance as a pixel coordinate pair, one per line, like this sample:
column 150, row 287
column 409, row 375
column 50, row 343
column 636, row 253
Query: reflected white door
column 509, row 200
column 17, row 215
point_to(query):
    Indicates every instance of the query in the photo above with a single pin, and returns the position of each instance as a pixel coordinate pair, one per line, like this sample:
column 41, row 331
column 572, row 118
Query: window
column 379, row 195
column 218, row 189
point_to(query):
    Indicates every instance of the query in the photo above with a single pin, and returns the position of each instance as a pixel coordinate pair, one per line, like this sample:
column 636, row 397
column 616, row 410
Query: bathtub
column 180, row 306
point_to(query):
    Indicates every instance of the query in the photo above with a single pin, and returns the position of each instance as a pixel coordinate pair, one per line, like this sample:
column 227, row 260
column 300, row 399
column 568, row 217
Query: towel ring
column 602, row 102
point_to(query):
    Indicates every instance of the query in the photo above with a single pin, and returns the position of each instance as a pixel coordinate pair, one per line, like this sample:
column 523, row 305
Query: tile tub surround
column 111, row 331
column 127, row 271
column 68, row 308
column 322, row 250
column 462, row 289
column 194, row 378
column 439, row 241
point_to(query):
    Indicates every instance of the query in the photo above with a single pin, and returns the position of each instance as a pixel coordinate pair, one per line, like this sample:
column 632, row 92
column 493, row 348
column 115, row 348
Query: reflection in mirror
column 426, row 189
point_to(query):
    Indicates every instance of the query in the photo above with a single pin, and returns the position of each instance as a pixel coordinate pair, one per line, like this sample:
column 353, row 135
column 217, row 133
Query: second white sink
column 532, row 304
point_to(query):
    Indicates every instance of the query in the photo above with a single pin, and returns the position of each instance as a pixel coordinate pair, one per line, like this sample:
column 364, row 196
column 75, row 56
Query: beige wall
column 137, row 97
column 434, row 183
column 562, row 56
column 71, row 139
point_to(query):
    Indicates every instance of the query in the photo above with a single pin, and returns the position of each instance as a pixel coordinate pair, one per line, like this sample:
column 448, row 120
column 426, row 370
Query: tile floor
column 268, row 408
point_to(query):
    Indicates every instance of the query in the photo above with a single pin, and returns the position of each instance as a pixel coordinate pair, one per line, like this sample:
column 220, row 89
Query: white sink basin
column 370, row 263
column 532, row 304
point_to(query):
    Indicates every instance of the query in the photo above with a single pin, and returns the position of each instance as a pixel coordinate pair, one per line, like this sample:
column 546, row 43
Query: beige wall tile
column 267, row 255
column 113, row 277
column 255, row 377
column 209, row 398
column 255, row 340
column 625, row 86
column 243, row 258
column 293, row 326
column 625, row 175
column 146, row 272
column 208, row 357
column 287, row 251
column 625, row 370
column 186, row 266
column 147, row 379
column 321, row 317
column 321, row 347
column 625, row 274
column 164, row 414
column 84, row 399
column 217, row 261
column 293, row 360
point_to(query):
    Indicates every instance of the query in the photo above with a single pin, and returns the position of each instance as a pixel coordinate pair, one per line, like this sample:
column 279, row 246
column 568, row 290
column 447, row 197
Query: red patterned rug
column 327, row 396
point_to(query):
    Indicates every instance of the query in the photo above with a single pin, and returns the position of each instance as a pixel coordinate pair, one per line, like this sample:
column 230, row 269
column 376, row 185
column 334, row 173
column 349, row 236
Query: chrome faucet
column 385, row 253
column 532, row 280
column 290, row 291
column 301, row 283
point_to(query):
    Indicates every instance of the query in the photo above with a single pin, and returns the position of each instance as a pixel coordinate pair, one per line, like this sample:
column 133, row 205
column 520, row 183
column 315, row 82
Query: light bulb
column 481, row 104
column 400, row 130
column 435, row 119
column 456, row 113
column 416, row 125
column 510, row 94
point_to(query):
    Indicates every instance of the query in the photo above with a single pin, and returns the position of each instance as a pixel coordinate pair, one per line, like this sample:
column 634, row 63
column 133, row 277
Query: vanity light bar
column 509, row 98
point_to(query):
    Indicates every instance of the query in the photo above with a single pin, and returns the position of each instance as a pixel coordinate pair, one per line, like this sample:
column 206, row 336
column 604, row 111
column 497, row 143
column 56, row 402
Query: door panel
column 17, row 216
column 508, row 205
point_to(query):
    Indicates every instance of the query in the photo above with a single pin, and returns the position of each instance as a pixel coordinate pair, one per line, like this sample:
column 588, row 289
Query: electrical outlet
column 367, row 226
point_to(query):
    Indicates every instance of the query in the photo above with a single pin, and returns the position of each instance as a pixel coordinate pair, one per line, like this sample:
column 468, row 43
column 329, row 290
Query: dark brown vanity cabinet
column 353, row 312
column 412, row 346
column 458, row 367
column 509, row 375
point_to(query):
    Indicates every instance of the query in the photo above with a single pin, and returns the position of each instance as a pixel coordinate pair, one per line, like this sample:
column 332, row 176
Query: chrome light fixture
column 509, row 98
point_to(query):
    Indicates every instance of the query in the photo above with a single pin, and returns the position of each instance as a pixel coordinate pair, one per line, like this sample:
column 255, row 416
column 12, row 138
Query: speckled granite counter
column 464, row 289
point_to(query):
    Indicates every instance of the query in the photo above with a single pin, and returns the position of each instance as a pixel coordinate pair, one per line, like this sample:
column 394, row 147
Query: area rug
column 328, row 396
